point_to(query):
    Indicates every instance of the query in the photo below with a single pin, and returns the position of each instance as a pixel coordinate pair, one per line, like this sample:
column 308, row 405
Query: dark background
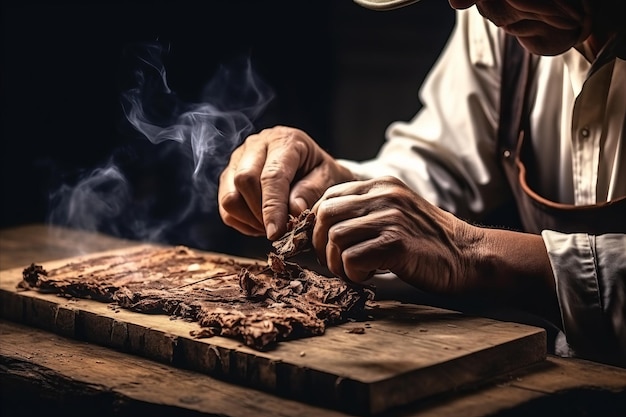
column 340, row 72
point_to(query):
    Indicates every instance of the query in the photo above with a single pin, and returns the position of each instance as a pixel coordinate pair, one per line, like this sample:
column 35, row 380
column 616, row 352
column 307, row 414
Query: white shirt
column 447, row 154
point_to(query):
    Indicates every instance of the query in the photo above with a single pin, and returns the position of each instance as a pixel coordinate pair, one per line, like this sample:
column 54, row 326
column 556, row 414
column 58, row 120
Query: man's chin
column 539, row 45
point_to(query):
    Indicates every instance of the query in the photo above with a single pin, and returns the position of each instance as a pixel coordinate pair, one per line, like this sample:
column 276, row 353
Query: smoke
column 150, row 193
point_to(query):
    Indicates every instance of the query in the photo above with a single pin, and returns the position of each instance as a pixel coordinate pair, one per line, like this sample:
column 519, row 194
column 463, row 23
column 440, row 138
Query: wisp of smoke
column 204, row 133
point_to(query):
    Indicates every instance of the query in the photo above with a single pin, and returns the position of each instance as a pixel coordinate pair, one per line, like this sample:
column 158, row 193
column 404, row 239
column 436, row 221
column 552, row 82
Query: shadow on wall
column 337, row 71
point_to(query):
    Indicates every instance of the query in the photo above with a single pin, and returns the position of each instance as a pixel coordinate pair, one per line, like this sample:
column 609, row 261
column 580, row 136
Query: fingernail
column 301, row 203
column 270, row 230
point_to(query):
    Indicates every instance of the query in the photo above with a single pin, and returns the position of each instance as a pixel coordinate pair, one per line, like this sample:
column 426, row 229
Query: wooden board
column 407, row 352
column 68, row 377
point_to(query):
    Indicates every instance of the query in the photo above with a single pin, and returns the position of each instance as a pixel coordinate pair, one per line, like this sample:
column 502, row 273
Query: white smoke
column 194, row 139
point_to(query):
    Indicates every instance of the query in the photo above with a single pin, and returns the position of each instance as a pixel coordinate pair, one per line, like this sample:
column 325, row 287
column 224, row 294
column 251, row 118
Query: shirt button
column 584, row 132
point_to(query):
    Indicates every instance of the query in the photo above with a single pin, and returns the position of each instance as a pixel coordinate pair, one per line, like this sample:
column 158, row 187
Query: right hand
column 274, row 173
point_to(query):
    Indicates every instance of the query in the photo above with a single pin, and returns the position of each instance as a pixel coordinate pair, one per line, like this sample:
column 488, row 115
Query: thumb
column 307, row 190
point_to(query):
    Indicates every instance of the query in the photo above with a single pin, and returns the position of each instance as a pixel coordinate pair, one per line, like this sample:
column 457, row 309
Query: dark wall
column 338, row 71
column 381, row 59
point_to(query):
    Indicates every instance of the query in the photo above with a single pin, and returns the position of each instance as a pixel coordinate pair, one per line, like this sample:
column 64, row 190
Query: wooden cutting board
column 406, row 353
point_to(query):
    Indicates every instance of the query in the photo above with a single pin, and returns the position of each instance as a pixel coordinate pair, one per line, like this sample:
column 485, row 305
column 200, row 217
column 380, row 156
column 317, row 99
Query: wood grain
column 405, row 353
column 43, row 373
column 76, row 376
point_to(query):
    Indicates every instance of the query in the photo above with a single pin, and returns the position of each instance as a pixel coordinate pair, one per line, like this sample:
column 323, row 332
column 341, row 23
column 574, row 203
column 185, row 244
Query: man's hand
column 381, row 224
column 273, row 173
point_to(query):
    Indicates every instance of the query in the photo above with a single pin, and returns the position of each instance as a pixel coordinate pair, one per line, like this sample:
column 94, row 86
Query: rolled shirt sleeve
column 590, row 275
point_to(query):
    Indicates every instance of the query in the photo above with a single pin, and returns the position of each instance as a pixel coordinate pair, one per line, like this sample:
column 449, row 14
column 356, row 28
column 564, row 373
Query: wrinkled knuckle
column 394, row 211
column 277, row 133
column 398, row 211
column 325, row 212
column 249, row 141
column 391, row 241
column 283, row 130
column 231, row 201
column 300, row 145
column 245, row 179
column 272, row 172
column 271, row 204
column 336, row 233
column 350, row 257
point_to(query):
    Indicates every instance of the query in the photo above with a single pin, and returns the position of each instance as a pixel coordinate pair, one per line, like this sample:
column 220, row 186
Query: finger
column 345, row 235
column 329, row 213
column 366, row 245
column 308, row 189
column 233, row 208
column 343, row 189
column 334, row 262
column 244, row 228
column 279, row 170
column 362, row 260
column 246, row 178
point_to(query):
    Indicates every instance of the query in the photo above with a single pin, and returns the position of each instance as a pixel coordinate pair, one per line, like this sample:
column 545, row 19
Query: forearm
column 512, row 269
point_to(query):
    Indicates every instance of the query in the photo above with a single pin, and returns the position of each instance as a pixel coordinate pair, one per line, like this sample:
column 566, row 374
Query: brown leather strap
column 515, row 75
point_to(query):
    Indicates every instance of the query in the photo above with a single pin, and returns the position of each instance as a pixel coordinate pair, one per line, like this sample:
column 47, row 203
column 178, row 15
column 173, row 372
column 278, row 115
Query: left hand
column 381, row 224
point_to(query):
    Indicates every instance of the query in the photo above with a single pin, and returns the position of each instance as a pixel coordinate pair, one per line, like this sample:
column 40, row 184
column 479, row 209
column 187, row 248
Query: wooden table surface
column 41, row 372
